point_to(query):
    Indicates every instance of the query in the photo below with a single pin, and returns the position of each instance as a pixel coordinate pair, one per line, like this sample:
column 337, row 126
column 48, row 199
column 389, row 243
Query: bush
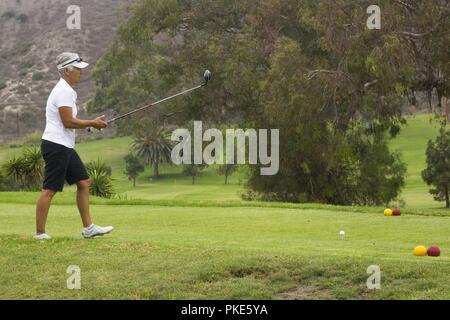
column 101, row 185
column 22, row 18
column 100, row 175
column 23, row 49
column 99, row 166
column 26, row 171
column 26, row 64
column 37, row 76
column 3, row 182
column 8, row 14
column 22, row 90
column 7, row 184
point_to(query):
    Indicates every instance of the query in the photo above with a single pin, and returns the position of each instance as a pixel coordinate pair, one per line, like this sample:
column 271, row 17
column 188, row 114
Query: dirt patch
column 306, row 293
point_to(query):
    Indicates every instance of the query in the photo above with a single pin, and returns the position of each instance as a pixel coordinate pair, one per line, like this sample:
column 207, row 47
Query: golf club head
column 207, row 76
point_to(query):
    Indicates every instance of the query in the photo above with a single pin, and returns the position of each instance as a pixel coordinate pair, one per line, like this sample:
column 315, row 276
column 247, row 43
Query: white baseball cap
column 70, row 59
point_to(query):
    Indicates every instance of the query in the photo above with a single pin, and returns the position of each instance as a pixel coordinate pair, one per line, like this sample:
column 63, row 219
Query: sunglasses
column 79, row 59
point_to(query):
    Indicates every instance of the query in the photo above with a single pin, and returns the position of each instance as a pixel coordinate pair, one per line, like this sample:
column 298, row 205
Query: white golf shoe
column 43, row 236
column 95, row 231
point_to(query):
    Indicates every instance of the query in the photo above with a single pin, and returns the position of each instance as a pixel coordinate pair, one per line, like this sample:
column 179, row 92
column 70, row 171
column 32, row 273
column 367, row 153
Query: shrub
column 22, row 89
column 22, row 18
column 101, row 185
column 100, row 175
column 26, row 171
column 26, row 64
column 37, row 76
column 8, row 14
column 99, row 166
column 23, row 49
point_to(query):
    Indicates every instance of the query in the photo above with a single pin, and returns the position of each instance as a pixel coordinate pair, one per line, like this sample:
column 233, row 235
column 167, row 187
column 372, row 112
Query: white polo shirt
column 62, row 95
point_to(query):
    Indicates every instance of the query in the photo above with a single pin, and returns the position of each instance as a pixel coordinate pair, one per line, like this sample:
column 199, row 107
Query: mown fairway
column 164, row 252
column 177, row 241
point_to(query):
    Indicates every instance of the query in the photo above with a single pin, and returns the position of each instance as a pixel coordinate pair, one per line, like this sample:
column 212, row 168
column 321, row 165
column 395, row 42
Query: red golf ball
column 434, row 251
column 396, row 212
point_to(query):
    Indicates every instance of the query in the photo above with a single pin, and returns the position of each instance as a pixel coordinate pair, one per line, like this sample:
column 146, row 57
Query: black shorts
column 61, row 164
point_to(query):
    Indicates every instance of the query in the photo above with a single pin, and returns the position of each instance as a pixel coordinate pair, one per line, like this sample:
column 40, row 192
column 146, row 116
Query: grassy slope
column 412, row 143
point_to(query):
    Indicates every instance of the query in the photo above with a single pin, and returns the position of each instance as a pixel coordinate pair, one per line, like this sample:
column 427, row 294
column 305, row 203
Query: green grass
column 412, row 143
column 173, row 240
column 218, row 253
column 173, row 186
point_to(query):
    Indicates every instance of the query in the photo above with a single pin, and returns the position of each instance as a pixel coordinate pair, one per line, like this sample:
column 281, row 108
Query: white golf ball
column 342, row 233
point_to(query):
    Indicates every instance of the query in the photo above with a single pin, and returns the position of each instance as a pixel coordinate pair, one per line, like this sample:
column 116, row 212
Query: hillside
column 32, row 34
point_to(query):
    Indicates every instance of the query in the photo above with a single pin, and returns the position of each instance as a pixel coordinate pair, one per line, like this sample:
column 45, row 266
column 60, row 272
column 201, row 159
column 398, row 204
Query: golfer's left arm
column 70, row 122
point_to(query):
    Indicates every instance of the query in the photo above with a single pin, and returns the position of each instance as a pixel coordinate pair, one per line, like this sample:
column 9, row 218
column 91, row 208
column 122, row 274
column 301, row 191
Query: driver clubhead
column 207, row 76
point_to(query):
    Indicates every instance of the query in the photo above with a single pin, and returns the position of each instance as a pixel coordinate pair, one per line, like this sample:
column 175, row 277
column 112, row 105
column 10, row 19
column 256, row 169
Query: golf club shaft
column 153, row 104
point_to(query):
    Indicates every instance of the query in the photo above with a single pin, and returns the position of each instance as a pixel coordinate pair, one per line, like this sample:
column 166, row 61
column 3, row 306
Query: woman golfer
column 62, row 163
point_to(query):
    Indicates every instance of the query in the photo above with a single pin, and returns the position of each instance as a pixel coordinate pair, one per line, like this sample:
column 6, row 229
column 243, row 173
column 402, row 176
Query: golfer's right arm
column 73, row 123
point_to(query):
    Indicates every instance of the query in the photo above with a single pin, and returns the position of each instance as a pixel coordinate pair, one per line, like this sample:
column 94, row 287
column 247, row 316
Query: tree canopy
column 312, row 68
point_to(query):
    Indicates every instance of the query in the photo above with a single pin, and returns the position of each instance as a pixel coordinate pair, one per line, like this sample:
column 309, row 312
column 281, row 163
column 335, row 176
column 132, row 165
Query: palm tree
column 155, row 149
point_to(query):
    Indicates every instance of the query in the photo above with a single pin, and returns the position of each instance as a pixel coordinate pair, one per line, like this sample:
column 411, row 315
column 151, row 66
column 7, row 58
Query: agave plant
column 33, row 166
column 15, row 169
column 101, row 185
column 101, row 182
column 99, row 166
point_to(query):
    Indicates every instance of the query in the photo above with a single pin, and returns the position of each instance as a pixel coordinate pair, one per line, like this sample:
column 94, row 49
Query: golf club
column 207, row 77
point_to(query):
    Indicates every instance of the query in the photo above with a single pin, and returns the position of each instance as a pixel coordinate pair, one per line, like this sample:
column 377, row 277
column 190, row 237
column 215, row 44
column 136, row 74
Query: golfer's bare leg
column 83, row 202
column 42, row 208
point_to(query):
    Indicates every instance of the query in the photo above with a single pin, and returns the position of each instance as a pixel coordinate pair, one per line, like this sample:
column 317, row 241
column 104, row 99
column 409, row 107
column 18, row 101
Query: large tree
column 310, row 68
column 437, row 172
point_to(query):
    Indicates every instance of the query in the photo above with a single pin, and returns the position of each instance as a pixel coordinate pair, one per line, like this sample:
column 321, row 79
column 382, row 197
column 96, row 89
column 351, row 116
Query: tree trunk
column 447, row 200
column 226, row 177
column 134, row 182
column 156, row 170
